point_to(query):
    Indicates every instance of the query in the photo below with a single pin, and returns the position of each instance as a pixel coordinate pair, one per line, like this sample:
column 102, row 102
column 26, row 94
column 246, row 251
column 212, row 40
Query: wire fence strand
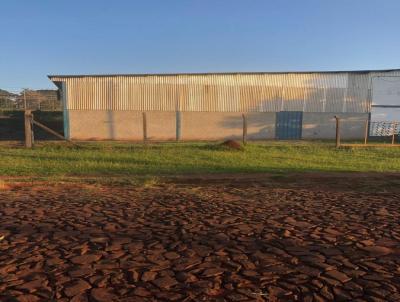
column 17, row 99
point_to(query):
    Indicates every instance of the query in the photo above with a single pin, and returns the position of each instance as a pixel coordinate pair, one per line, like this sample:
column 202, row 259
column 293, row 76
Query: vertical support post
column 32, row 130
column 244, row 129
column 144, row 127
column 28, row 129
column 178, row 125
column 366, row 132
column 393, row 132
column 337, row 131
column 25, row 100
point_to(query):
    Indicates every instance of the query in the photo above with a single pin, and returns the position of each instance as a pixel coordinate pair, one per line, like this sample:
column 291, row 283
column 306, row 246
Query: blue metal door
column 288, row 124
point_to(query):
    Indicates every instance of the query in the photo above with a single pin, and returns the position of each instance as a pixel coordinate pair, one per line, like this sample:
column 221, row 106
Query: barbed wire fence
column 19, row 99
column 15, row 102
column 358, row 133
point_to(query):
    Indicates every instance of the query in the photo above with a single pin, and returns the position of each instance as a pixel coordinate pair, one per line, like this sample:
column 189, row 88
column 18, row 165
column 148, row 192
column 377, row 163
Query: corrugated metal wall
column 269, row 92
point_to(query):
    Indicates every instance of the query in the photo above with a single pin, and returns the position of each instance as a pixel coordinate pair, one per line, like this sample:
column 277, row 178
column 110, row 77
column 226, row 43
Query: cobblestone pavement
column 197, row 242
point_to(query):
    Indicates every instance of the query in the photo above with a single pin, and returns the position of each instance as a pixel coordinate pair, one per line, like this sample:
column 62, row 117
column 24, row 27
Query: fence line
column 376, row 133
column 384, row 128
column 30, row 99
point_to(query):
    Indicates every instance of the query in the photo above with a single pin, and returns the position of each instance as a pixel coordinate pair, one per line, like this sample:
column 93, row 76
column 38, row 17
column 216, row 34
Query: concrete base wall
column 128, row 125
column 219, row 125
column 105, row 125
column 161, row 125
column 323, row 125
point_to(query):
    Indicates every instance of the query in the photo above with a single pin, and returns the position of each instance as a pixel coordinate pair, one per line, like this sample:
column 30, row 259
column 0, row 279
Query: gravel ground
column 232, row 240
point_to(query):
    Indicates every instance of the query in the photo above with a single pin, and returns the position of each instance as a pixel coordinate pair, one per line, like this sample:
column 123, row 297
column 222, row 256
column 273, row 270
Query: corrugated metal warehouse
column 282, row 105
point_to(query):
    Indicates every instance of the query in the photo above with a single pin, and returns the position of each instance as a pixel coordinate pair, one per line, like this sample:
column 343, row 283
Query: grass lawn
column 123, row 159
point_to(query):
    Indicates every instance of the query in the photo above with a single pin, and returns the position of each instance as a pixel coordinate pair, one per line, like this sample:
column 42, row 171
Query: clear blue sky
column 166, row 36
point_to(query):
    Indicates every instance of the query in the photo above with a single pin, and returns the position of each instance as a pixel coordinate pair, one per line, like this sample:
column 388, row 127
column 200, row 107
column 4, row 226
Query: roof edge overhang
column 57, row 83
column 51, row 77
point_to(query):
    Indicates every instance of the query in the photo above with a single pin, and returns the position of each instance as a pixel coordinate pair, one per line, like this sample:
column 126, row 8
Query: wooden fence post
column 337, row 131
column 366, row 132
column 144, row 127
column 244, row 129
column 28, row 128
column 393, row 131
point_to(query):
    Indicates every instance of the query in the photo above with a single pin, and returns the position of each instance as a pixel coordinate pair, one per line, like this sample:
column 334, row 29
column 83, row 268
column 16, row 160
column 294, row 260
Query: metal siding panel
column 289, row 125
column 311, row 92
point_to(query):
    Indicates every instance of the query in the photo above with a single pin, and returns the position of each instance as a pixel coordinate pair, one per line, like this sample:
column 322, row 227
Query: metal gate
column 288, row 124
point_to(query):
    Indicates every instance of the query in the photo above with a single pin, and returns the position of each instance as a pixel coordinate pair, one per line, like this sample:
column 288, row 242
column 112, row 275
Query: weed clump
column 231, row 144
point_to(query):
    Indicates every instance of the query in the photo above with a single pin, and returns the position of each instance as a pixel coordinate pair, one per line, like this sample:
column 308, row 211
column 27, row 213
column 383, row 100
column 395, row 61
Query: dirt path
column 202, row 240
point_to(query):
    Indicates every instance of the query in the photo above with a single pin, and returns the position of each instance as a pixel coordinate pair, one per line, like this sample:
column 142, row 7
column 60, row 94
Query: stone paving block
column 215, row 242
